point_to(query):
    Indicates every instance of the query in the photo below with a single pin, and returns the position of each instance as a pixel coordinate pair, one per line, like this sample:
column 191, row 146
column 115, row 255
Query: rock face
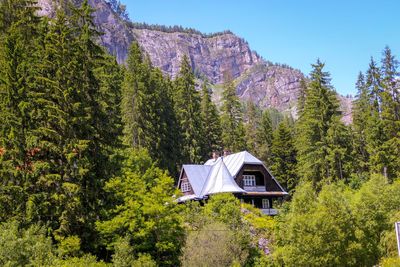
column 267, row 84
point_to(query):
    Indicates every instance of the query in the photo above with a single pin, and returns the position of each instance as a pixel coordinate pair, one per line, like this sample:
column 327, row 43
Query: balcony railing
column 269, row 211
column 258, row 188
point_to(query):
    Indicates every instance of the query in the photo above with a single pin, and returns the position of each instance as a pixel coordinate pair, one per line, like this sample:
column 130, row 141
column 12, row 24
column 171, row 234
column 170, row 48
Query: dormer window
column 185, row 187
column 249, row 180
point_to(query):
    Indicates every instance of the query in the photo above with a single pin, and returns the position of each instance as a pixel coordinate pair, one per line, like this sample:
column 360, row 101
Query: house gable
column 187, row 186
column 271, row 185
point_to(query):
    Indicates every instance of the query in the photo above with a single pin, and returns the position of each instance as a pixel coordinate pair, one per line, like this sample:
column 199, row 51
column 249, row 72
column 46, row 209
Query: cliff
column 266, row 84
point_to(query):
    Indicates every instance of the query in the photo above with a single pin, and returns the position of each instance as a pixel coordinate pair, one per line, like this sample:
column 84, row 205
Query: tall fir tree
column 375, row 134
column 147, row 107
column 187, row 104
column 252, row 124
column 19, row 58
column 233, row 132
column 361, row 114
column 390, row 113
column 320, row 109
column 211, row 122
column 283, row 156
column 66, row 108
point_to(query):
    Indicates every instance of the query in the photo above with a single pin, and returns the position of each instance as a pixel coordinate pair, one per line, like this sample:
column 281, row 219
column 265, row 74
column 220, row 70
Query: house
column 240, row 173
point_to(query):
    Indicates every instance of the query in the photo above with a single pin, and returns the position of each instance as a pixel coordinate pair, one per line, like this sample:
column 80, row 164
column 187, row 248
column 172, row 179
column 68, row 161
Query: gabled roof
column 235, row 162
column 220, row 180
column 218, row 175
column 197, row 175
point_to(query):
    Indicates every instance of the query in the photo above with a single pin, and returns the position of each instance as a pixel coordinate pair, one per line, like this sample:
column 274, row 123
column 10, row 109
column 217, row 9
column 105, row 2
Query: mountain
column 258, row 80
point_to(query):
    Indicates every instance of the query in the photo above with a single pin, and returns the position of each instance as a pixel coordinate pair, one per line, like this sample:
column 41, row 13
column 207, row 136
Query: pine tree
column 283, row 157
column 339, row 151
column 233, row 133
column 302, row 95
column 320, row 109
column 211, row 122
column 390, row 113
column 375, row 133
column 361, row 113
column 253, row 121
column 19, row 59
column 137, row 75
column 187, row 108
column 264, row 137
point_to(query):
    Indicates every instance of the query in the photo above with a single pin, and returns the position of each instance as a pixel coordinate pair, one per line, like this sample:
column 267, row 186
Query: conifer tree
column 265, row 137
column 211, row 122
column 233, row 133
column 361, row 114
column 390, row 113
column 187, row 108
column 375, row 133
column 302, row 95
column 149, row 120
column 320, row 109
column 339, row 151
column 253, row 121
column 18, row 60
column 68, row 124
column 283, row 157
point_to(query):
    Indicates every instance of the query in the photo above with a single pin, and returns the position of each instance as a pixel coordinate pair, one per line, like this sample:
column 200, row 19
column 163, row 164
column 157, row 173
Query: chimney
column 215, row 155
column 227, row 152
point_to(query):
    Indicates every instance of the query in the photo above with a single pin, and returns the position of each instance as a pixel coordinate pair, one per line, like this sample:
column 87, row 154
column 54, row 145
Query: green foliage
column 147, row 111
column 211, row 123
column 212, row 245
column 320, row 111
column 69, row 247
column 233, row 132
column 353, row 231
column 85, row 261
column 187, row 109
column 24, row 247
column 258, row 132
column 219, row 231
column 144, row 211
column 283, row 157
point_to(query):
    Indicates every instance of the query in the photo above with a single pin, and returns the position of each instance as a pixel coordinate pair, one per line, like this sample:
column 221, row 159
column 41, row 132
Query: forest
column 90, row 152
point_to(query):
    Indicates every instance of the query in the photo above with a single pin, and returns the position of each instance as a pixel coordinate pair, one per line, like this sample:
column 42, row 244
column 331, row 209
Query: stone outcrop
column 267, row 84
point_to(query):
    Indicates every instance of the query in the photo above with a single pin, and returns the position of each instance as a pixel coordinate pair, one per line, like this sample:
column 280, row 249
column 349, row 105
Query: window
column 185, row 187
column 265, row 203
column 249, row 180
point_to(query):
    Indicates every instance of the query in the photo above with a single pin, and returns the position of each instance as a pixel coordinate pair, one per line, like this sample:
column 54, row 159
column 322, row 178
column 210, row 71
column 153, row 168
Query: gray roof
column 197, row 175
column 235, row 162
column 217, row 176
column 220, row 181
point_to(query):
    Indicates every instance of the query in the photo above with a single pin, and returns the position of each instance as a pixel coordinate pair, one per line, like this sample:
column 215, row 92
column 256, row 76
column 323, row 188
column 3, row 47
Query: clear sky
column 343, row 34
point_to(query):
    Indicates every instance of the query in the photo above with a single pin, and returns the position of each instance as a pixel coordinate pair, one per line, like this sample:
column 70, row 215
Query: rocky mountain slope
column 266, row 84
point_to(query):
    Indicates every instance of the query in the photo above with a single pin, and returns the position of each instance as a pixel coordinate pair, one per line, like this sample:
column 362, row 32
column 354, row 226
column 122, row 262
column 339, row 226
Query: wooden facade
column 255, row 184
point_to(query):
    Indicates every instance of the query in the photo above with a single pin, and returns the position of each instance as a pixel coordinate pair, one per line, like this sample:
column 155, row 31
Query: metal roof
column 234, row 162
column 220, row 180
column 197, row 175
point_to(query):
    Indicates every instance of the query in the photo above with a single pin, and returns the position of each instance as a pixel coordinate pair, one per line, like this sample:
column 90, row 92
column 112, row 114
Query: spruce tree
column 253, row 121
column 187, row 108
column 211, row 122
column 390, row 113
column 19, row 61
column 361, row 114
column 233, row 133
column 320, row 109
column 375, row 134
column 339, row 152
column 147, row 107
column 283, row 156
column 265, row 137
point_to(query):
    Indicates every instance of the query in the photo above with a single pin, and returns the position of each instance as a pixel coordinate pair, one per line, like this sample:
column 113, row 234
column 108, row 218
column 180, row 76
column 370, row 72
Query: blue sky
column 343, row 34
